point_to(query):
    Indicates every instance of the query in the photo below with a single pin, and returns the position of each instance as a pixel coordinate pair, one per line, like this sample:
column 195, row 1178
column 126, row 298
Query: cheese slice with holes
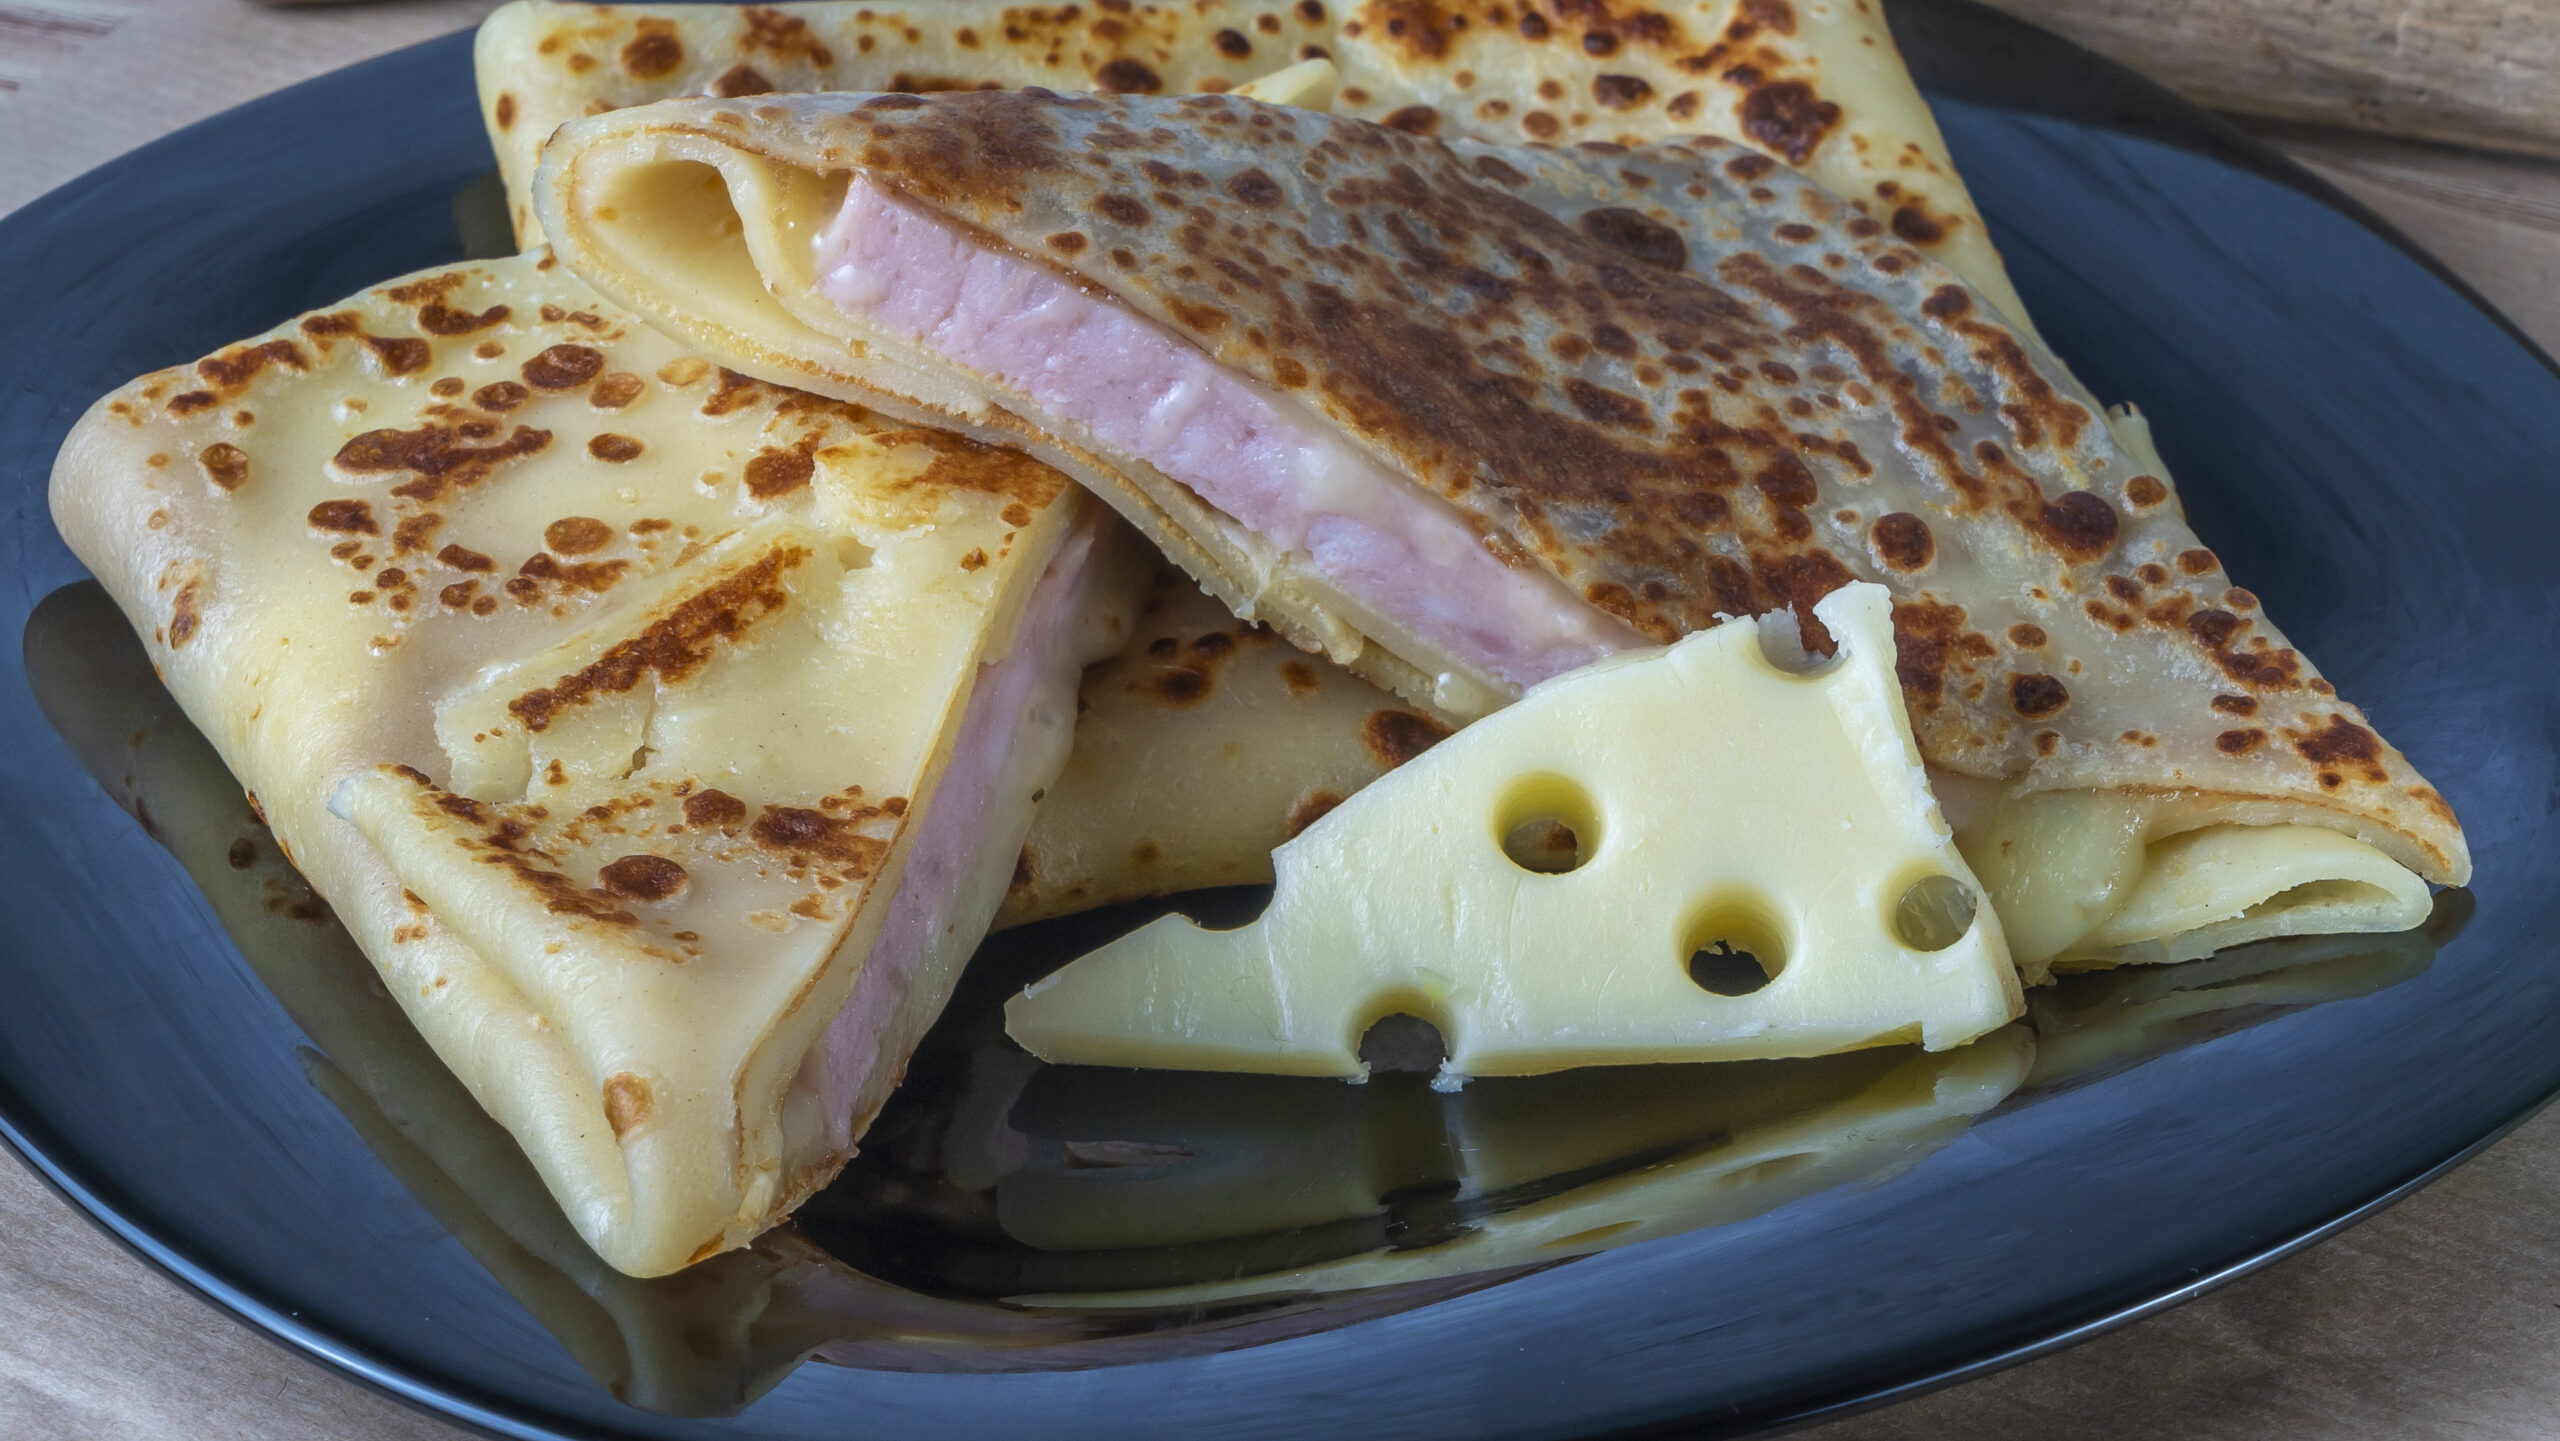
column 1723, row 811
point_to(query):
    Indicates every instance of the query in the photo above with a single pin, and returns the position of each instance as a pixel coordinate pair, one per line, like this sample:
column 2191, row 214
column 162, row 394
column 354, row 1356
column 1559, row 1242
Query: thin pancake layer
column 614, row 702
column 1678, row 379
column 1816, row 83
column 1203, row 744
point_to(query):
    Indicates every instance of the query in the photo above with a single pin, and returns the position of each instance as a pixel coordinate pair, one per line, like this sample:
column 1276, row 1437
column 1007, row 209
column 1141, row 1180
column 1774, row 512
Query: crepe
column 1203, row 744
column 705, row 1341
column 1667, row 384
column 665, row 738
column 1170, row 789
column 1819, row 85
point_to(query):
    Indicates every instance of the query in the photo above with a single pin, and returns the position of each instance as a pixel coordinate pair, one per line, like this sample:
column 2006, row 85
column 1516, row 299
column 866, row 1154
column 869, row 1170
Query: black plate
column 2366, row 446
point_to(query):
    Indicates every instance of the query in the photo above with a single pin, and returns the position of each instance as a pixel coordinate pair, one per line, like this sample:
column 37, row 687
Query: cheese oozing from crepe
column 665, row 738
column 1679, row 380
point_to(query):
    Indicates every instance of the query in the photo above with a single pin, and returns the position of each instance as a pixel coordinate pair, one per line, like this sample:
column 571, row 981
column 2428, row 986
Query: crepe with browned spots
column 1818, row 84
column 1678, row 379
column 666, row 738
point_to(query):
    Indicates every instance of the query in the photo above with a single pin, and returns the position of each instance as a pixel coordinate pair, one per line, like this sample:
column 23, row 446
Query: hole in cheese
column 1225, row 908
column 1734, row 946
column 1547, row 824
column 1781, row 635
column 1934, row 913
column 1544, row 845
column 1402, row 1041
column 1727, row 970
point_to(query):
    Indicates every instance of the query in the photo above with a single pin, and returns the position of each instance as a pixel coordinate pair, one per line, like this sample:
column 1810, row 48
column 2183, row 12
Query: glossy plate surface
column 2365, row 447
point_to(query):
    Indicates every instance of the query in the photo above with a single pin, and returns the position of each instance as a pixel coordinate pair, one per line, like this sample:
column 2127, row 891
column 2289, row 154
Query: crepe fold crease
column 664, row 737
column 1648, row 387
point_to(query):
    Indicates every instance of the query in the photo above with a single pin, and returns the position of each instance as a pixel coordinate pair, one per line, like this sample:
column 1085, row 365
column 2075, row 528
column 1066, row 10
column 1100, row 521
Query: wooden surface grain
column 2481, row 73
column 2495, row 219
column 2439, row 1318
column 84, row 81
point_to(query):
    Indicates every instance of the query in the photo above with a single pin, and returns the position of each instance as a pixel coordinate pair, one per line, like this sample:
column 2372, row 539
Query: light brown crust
column 1820, row 87
column 1681, row 379
column 329, row 533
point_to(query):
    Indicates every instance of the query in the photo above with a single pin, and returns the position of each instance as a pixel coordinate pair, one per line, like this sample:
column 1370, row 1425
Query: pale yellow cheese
column 1714, row 798
column 1308, row 84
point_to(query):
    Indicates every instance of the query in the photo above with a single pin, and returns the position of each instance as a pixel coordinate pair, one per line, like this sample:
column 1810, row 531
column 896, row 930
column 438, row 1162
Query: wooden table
column 2439, row 1318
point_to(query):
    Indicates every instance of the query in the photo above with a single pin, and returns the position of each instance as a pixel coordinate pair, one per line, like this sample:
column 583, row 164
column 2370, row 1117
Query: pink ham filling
column 951, row 838
column 1252, row 453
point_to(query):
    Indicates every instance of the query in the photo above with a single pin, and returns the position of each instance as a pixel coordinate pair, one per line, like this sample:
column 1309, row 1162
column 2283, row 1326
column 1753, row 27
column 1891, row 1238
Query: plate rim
column 452, row 1399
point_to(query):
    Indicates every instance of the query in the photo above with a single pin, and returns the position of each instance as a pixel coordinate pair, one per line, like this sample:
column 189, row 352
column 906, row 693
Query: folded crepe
column 665, row 738
column 1819, row 86
column 1195, row 761
column 705, row 1341
column 702, row 1342
column 1464, row 416
column 1822, row 88
column 1191, row 771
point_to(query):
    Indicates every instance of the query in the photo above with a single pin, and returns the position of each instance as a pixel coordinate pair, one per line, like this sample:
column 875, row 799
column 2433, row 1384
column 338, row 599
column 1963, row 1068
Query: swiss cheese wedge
column 666, row 739
column 1757, row 870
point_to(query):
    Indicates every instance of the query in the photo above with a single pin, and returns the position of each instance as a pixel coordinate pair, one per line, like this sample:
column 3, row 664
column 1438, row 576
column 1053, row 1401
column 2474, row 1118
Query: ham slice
column 1255, row 454
column 1013, row 737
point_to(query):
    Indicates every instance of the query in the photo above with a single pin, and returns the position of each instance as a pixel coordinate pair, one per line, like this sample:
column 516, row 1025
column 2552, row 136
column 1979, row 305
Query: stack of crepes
column 1521, row 334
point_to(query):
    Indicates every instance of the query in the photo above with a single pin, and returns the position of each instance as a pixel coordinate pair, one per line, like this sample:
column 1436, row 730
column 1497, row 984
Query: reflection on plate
column 1008, row 1216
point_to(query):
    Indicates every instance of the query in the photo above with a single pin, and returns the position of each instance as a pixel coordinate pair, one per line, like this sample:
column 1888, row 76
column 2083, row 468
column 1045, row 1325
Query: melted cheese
column 1718, row 804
